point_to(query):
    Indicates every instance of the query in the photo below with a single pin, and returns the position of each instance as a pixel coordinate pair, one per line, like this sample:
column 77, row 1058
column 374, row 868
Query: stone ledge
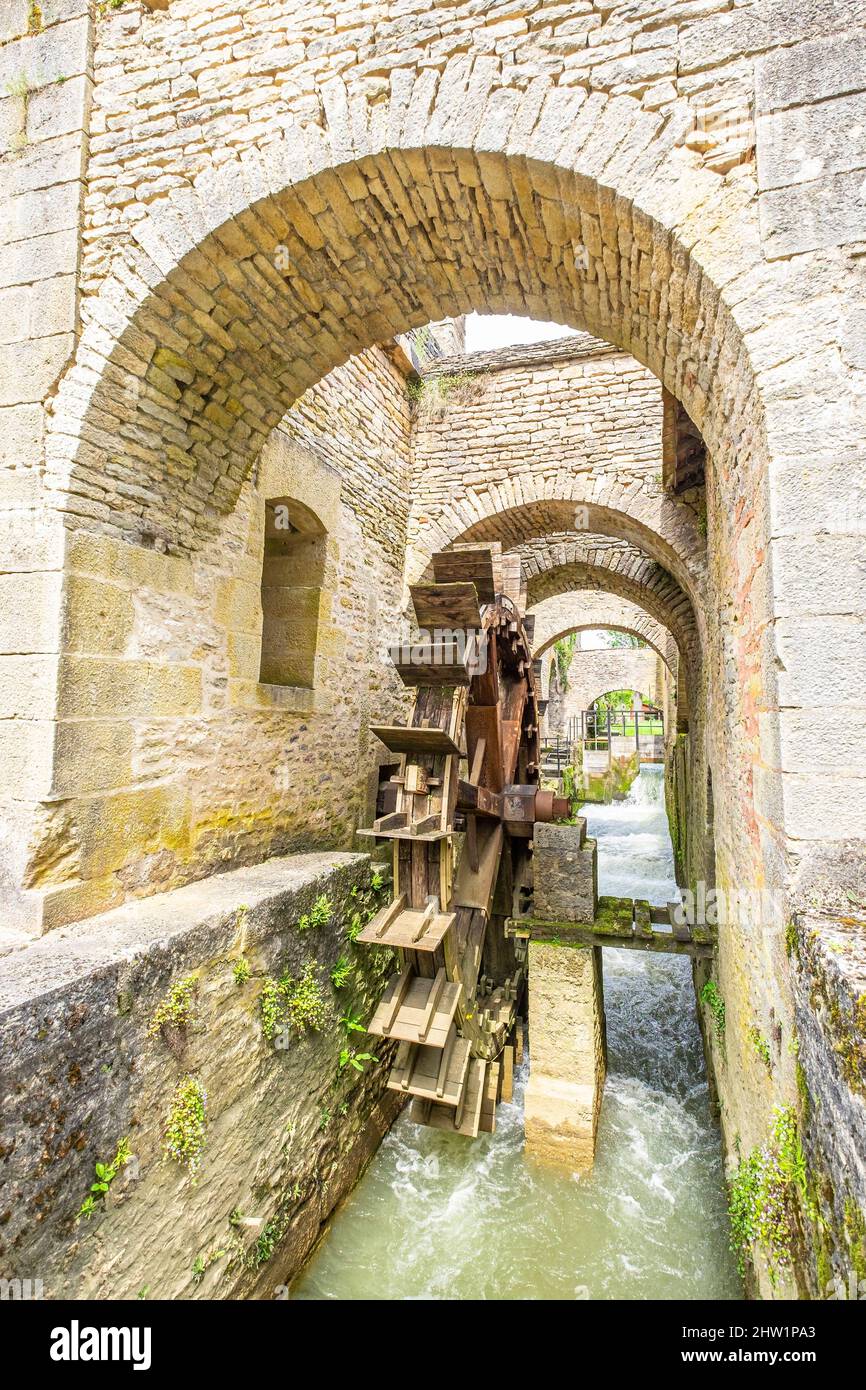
column 578, row 346
column 42, row 967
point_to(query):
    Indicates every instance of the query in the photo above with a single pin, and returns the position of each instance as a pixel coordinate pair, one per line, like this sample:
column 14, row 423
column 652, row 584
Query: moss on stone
column 855, row 1235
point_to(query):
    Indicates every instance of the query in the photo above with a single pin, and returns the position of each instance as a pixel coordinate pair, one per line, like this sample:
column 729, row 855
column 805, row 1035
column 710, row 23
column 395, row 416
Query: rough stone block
column 21, row 434
column 59, row 110
column 44, row 210
column 566, row 873
column 27, row 687
column 29, row 612
column 90, row 687
column 25, row 757
column 811, row 142
column 29, row 370
column 59, row 51
column 810, row 72
column 97, row 617
column 813, row 216
column 92, row 755
column 567, row 1055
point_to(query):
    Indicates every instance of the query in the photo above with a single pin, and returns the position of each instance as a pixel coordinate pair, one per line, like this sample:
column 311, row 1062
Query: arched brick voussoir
column 567, row 564
column 231, row 297
column 589, row 511
column 588, row 610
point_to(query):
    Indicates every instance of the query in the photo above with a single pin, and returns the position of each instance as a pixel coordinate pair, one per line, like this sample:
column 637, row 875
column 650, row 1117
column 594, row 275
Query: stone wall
column 594, row 673
column 286, row 1130
column 171, row 758
column 270, row 191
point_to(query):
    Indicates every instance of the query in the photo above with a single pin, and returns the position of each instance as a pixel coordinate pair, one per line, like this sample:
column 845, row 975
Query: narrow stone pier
column 566, row 1006
column 567, row 1050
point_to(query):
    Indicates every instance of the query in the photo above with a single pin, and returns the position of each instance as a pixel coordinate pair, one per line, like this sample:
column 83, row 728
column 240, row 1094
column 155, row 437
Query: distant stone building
column 238, row 244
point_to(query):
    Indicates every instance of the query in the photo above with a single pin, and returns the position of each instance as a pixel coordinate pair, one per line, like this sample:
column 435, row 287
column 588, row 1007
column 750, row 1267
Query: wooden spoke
column 461, row 807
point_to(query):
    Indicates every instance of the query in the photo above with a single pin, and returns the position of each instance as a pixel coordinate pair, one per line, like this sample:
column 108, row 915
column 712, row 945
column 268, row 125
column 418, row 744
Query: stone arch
column 663, row 527
column 611, row 627
column 591, row 609
column 569, row 564
column 232, row 296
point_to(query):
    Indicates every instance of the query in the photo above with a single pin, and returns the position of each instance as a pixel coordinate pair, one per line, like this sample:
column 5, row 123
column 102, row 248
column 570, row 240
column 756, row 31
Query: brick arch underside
column 234, row 296
column 552, row 522
column 638, row 631
column 569, row 564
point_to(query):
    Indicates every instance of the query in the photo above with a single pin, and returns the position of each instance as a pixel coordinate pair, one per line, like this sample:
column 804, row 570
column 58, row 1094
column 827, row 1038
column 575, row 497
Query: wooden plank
column 430, row 1007
column 385, row 917
column 466, row 1119
column 444, row 663
column 401, row 738
column 681, row 930
column 429, row 1080
column 475, row 888
column 469, row 566
column 390, row 1005
column 580, row 934
column 487, row 1117
column 412, row 1022
column 446, row 605
column 406, row 833
column 507, row 1073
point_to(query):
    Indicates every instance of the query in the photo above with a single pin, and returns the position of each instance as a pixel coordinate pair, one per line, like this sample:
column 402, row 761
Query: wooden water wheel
column 465, row 798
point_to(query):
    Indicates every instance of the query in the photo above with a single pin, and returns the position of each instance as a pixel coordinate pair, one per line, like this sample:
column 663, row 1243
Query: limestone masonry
column 236, row 249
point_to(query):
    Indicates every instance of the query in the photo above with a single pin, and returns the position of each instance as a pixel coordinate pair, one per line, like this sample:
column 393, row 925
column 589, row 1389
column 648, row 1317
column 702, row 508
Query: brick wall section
column 171, row 759
column 593, row 167
column 490, row 427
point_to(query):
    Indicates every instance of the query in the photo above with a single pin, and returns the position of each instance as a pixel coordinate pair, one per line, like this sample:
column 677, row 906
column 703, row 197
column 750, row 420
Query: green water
column 441, row 1217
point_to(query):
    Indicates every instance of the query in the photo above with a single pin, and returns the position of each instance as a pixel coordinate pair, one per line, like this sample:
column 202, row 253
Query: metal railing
column 597, row 727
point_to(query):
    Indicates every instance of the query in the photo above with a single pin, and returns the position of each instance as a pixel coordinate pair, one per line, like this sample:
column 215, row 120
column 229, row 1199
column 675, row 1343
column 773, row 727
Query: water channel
column 440, row 1217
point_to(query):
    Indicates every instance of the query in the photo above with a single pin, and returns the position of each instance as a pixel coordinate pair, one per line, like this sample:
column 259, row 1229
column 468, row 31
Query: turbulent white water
column 441, row 1217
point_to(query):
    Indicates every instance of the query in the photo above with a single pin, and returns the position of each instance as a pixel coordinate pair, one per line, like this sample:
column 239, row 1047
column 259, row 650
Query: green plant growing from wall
column 341, row 972
column 35, row 23
column 296, row 1004
column 432, row 395
column 173, row 1013
column 305, row 1002
column 241, row 971
column 319, row 914
column 105, row 1173
column 271, row 1005
column 760, row 1046
column 855, row 1234
column 764, row 1194
column 184, row 1132
column 203, row 1263
column 357, row 1060
column 563, row 651
column 365, row 902
column 713, row 1000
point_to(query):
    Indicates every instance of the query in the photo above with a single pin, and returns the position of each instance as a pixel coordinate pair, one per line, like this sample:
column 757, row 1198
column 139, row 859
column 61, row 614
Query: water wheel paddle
column 464, row 801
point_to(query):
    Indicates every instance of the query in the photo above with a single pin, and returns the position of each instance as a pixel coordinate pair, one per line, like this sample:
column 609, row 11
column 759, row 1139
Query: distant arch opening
column 293, row 570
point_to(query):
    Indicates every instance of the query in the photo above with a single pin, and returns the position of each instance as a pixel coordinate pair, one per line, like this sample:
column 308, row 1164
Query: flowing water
column 441, row 1217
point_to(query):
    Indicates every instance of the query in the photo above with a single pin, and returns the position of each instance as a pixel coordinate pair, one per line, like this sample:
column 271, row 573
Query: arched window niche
column 298, row 525
column 293, row 571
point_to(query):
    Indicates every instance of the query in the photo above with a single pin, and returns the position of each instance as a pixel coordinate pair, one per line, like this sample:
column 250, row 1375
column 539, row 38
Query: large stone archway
column 589, row 609
column 220, row 258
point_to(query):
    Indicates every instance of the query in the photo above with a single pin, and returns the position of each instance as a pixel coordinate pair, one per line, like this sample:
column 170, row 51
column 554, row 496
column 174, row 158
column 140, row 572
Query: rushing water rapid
column 440, row 1217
